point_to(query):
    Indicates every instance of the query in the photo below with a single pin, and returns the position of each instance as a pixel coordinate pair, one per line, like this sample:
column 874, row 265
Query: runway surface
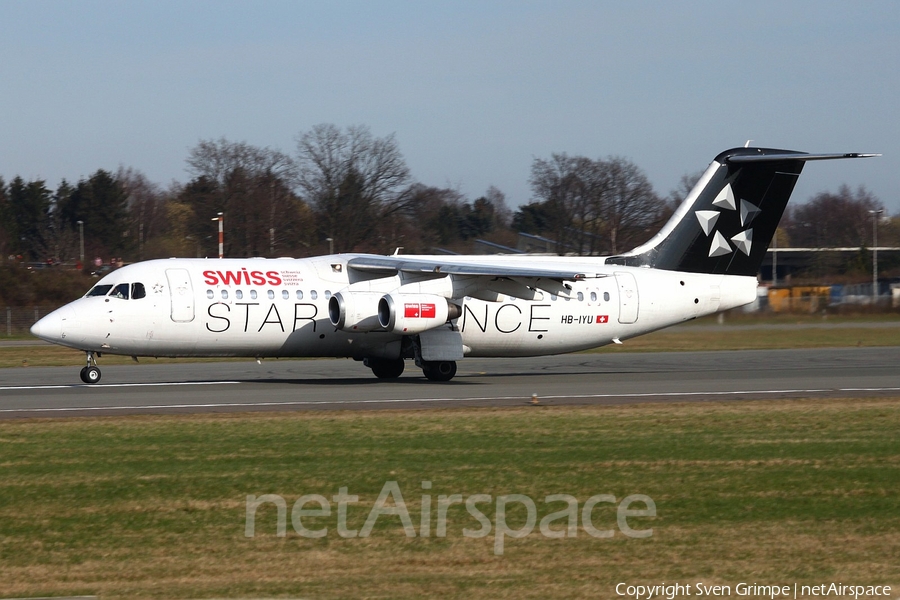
column 609, row 378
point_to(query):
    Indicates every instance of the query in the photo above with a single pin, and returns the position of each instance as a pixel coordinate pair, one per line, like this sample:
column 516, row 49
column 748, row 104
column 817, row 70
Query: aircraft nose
column 51, row 328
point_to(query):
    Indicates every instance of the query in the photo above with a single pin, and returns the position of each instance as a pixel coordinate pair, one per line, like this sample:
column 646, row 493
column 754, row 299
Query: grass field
column 801, row 491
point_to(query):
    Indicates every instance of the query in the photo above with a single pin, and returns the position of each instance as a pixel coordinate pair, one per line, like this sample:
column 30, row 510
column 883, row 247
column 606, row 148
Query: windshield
column 98, row 290
column 120, row 291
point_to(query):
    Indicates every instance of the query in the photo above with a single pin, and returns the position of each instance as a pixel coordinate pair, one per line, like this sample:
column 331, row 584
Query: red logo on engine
column 419, row 311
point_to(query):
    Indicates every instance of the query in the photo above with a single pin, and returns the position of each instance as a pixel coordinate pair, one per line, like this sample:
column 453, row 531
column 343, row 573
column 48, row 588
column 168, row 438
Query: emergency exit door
column 628, row 298
column 182, row 295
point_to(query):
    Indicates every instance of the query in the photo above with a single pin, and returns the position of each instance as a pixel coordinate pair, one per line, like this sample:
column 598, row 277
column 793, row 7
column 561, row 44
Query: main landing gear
column 90, row 373
column 439, row 370
column 385, row 368
column 392, row 368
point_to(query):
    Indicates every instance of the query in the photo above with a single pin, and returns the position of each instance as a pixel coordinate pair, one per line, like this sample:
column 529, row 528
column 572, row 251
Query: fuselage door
column 182, row 295
column 628, row 298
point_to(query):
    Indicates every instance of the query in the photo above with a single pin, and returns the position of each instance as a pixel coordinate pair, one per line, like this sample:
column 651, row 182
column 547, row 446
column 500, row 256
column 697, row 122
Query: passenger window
column 606, row 296
column 593, row 296
column 120, row 291
column 210, row 294
column 253, row 294
column 99, row 290
column 299, row 294
column 138, row 291
column 327, row 294
column 553, row 297
column 238, row 294
column 580, row 297
column 271, row 295
column 313, row 294
column 285, row 294
column 224, row 294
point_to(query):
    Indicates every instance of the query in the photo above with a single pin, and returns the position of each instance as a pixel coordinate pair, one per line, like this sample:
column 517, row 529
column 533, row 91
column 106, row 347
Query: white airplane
column 436, row 310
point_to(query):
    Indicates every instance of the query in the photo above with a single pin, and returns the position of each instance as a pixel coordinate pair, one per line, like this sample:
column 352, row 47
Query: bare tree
column 598, row 206
column 685, row 186
column 498, row 201
column 354, row 182
column 217, row 159
column 566, row 185
column 630, row 210
column 254, row 188
column 830, row 220
column 833, row 220
column 146, row 204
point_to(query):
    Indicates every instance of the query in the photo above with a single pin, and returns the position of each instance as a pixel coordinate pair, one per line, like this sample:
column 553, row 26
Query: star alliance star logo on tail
column 746, row 213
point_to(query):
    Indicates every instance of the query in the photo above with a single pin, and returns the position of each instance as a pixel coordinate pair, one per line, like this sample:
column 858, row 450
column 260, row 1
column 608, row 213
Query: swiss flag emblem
column 603, row 318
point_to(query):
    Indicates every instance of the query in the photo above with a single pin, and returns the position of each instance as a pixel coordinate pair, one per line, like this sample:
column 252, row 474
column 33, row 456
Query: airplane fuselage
column 279, row 308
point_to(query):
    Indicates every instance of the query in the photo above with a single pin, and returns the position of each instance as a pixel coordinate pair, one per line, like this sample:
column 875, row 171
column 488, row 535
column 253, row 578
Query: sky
column 473, row 91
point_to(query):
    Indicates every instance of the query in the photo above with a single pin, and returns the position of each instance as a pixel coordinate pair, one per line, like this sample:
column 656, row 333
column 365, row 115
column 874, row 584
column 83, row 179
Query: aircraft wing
column 404, row 264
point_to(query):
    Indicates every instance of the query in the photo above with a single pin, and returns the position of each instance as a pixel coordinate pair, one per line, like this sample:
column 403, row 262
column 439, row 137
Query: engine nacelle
column 414, row 313
column 354, row 311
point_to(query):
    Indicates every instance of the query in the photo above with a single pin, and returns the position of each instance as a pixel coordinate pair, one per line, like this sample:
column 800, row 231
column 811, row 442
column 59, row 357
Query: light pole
column 81, row 237
column 330, row 245
column 775, row 258
column 875, row 214
column 221, row 220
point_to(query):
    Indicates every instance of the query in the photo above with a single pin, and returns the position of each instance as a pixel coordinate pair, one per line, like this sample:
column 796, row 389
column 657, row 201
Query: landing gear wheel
column 441, row 370
column 384, row 368
column 90, row 374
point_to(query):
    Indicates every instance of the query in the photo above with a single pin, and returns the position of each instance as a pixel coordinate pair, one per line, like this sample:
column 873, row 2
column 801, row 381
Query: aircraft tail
column 726, row 223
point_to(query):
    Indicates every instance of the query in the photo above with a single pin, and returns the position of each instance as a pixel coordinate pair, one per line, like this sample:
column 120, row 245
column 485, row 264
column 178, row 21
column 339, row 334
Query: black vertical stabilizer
column 726, row 223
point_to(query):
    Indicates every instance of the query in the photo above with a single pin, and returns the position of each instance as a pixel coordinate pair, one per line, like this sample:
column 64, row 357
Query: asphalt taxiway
column 607, row 378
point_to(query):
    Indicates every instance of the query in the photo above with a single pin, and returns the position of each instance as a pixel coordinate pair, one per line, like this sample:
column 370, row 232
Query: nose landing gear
column 90, row 373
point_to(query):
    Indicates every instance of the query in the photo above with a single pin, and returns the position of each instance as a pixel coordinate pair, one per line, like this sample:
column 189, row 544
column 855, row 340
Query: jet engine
column 414, row 313
column 354, row 311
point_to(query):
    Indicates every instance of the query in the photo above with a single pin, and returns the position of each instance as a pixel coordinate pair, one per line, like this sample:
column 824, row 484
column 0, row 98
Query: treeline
column 348, row 190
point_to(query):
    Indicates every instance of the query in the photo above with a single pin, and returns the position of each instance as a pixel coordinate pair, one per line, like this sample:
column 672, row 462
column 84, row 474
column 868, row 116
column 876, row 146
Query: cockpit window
column 138, row 291
column 120, row 291
column 99, row 290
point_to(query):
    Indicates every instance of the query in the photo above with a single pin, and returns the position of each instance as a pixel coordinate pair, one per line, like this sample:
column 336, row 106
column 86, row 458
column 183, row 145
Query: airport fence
column 19, row 319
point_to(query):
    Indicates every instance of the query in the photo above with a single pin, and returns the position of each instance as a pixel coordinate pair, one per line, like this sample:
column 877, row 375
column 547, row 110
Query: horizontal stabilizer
column 755, row 158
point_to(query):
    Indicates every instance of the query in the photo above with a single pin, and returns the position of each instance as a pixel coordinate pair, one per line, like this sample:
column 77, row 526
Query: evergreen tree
column 28, row 211
column 102, row 204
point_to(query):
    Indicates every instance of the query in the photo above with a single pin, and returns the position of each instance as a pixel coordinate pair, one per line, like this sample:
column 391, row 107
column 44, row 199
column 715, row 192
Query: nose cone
column 52, row 327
